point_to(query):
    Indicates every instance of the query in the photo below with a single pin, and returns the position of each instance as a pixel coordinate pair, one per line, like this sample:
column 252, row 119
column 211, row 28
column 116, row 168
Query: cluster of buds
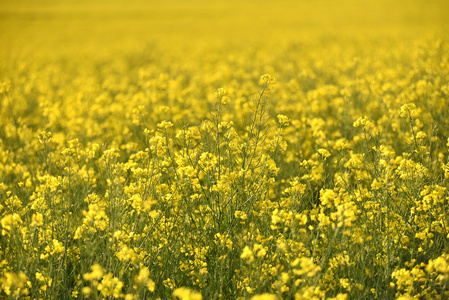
column 222, row 96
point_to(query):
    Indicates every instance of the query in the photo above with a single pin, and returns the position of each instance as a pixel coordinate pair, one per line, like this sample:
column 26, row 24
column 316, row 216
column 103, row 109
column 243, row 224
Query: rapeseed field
column 224, row 149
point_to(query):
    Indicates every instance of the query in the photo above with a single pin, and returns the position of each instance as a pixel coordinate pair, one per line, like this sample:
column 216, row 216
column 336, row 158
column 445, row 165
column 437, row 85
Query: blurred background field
column 54, row 28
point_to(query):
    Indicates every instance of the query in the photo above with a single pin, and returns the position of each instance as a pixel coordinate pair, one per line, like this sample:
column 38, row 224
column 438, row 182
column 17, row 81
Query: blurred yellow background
column 54, row 28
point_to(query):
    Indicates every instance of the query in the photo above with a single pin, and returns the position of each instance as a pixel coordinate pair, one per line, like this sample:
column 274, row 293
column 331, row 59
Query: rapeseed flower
column 186, row 294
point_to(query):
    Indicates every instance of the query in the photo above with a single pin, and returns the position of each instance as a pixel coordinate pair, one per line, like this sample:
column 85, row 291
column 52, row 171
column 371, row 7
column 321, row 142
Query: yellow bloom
column 37, row 220
column 283, row 120
column 307, row 267
column 110, row 286
column 267, row 79
column 222, row 96
column 247, row 254
column 339, row 296
column 183, row 293
column 143, row 279
column 439, row 264
column 324, row 153
column 86, row 291
column 165, row 124
column 408, row 109
column 15, row 284
column 96, row 274
column 327, row 197
column 264, row 296
column 58, row 247
column 9, row 222
column 240, row 215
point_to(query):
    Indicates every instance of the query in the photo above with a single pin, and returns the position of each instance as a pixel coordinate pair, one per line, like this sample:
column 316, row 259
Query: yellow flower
column 45, row 279
column 264, row 296
column 403, row 277
column 86, row 291
column 96, row 274
column 302, row 218
column 143, row 279
column 9, row 222
column 15, row 284
column 327, row 197
column 275, row 219
column 439, row 264
column 58, row 247
column 283, row 120
column 267, row 79
column 308, row 267
column 183, row 293
column 339, row 296
column 126, row 254
column 408, row 109
column 247, row 254
column 110, row 286
column 37, row 220
column 324, row 153
column 222, row 96
column 240, row 215
column 165, row 124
